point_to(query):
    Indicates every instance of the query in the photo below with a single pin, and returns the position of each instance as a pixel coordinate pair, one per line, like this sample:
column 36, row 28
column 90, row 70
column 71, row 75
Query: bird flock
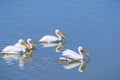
column 23, row 48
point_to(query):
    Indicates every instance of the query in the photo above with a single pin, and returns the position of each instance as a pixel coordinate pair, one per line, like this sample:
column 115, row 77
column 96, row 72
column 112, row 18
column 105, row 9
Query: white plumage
column 31, row 44
column 17, row 48
column 48, row 39
column 52, row 39
column 12, row 50
column 73, row 55
column 20, row 47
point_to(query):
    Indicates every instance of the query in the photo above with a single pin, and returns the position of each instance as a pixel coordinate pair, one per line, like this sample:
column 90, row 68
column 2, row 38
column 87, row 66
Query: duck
column 52, row 39
column 74, row 55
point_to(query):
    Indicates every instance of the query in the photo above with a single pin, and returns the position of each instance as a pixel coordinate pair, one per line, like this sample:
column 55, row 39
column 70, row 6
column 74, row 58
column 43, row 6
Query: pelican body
column 52, row 39
column 73, row 55
column 19, row 48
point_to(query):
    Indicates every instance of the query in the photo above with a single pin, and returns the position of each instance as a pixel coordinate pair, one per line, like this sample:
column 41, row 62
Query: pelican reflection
column 10, row 58
column 20, row 58
column 74, row 63
column 59, row 45
column 26, row 57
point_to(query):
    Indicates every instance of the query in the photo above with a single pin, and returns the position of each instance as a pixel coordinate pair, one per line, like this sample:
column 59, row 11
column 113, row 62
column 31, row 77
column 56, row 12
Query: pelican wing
column 17, row 45
column 48, row 38
column 71, row 54
column 7, row 48
column 12, row 49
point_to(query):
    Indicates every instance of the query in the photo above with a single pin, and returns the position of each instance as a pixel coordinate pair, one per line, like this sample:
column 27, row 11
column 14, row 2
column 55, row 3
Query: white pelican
column 18, row 48
column 75, row 56
column 31, row 45
column 53, row 39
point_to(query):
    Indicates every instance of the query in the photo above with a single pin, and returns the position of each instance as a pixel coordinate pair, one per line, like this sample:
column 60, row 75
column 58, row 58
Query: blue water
column 93, row 24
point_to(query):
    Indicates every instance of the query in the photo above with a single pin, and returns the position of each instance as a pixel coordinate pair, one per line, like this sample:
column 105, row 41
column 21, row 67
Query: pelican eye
column 30, row 41
column 58, row 33
column 82, row 50
column 22, row 43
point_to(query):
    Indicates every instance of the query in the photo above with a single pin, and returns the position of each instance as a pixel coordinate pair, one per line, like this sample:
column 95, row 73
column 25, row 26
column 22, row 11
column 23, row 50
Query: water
column 91, row 24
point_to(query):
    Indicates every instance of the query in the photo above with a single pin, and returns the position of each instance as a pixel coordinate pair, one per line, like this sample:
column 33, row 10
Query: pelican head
column 81, row 49
column 22, row 42
column 30, row 42
column 59, row 34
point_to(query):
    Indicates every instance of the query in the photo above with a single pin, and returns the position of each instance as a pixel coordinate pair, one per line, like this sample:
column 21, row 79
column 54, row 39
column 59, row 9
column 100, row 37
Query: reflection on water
column 93, row 24
column 26, row 57
column 19, row 52
column 22, row 59
column 74, row 63
column 51, row 41
column 10, row 59
column 59, row 45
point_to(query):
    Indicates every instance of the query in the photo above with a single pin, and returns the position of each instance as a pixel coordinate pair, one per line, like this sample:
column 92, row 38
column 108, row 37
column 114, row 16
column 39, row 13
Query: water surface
column 91, row 24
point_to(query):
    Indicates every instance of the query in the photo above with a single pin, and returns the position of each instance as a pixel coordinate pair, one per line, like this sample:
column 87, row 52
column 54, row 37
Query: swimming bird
column 31, row 44
column 18, row 48
column 32, row 47
column 75, row 56
column 53, row 39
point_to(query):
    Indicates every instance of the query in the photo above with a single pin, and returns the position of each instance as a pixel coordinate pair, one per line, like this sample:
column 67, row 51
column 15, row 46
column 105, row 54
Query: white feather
column 48, row 39
column 13, row 49
column 71, row 54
